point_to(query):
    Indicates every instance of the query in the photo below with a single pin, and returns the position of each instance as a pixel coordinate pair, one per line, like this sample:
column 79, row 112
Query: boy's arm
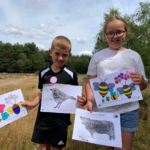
column 89, row 94
column 35, row 102
column 81, row 100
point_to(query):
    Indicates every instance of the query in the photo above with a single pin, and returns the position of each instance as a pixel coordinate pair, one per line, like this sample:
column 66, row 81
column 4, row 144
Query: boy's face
column 59, row 56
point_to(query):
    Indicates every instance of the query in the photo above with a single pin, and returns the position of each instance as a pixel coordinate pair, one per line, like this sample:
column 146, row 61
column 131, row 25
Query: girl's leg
column 44, row 146
column 127, row 140
column 108, row 148
column 57, row 148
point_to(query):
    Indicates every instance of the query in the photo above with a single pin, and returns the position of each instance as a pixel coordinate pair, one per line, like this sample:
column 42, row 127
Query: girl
column 112, row 59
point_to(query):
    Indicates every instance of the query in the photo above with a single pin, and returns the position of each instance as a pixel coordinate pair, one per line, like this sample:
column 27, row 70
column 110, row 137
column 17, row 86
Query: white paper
column 60, row 98
column 98, row 128
column 11, row 108
column 114, row 97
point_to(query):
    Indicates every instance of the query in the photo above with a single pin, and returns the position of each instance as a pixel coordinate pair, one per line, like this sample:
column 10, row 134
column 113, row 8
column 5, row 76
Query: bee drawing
column 15, row 108
column 107, row 98
column 127, row 89
column 103, row 100
column 103, row 87
column 114, row 95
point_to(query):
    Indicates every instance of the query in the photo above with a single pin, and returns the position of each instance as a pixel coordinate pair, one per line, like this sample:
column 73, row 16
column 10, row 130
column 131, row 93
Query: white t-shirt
column 109, row 61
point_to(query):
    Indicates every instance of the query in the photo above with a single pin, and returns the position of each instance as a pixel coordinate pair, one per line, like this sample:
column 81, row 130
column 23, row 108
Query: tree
column 101, row 42
column 138, row 35
column 21, row 64
column 2, row 59
column 8, row 57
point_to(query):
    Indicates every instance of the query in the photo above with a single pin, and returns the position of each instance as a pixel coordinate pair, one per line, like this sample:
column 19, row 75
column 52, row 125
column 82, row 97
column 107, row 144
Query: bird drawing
column 60, row 97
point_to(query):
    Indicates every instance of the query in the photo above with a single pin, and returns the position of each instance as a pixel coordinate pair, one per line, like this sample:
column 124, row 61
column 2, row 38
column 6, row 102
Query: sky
column 40, row 21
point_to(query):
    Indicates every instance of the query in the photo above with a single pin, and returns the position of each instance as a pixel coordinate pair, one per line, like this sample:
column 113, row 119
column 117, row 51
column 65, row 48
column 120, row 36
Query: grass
column 17, row 135
column 2, row 78
column 81, row 74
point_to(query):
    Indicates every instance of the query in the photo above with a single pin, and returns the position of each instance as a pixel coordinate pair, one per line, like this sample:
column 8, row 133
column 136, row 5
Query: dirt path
column 9, row 82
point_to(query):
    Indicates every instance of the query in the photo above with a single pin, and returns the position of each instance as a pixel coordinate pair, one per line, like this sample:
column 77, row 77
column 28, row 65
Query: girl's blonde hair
column 62, row 42
column 112, row 18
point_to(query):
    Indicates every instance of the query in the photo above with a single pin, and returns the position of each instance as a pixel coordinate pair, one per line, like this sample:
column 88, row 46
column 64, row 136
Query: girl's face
column 115, row 43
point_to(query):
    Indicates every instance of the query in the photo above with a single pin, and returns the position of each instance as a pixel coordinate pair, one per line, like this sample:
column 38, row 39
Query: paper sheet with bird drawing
column 99, row 128
column 115, row 89
column 60, row 98
column 11, row 108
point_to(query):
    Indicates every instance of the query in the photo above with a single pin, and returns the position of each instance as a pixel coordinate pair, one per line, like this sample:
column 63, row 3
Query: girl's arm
column 89, row 94
column 138, row 79
column 35, row 102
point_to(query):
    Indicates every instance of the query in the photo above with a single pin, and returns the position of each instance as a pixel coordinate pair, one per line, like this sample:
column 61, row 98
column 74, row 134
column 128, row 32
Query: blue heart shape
column 5, row 115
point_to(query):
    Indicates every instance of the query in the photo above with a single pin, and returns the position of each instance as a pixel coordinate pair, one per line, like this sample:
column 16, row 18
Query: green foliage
column 28, row 58
column 144, row 102
column 138, row 35
column 79, row 63
column 101, row 42
column 22, row 58
column 36, row 72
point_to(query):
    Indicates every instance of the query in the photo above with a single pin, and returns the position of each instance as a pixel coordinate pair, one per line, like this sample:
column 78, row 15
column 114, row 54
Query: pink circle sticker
column 129, row 70
column 53, row 79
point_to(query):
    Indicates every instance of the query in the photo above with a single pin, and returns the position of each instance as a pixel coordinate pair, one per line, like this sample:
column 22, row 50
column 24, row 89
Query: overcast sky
column 40, row 21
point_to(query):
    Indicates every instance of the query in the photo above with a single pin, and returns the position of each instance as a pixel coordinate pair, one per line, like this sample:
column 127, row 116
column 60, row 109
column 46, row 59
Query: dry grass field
column 17, row 135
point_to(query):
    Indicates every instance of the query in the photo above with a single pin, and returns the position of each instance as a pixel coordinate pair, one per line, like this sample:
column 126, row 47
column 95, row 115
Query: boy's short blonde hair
column 62, row 42
column 112, row 18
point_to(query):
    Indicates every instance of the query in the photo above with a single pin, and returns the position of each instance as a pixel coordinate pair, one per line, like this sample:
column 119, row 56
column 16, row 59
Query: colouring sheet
column 60, row 98
column 98, row 128
column 114, row 89
column 11, row 108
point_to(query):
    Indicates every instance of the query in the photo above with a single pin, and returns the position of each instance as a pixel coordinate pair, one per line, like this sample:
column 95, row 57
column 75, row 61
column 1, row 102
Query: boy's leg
column 59, row 137
column 42, row 137
column 44, row 146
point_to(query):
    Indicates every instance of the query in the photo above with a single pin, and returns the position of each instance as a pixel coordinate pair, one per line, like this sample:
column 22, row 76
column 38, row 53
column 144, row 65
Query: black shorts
column 57, row 137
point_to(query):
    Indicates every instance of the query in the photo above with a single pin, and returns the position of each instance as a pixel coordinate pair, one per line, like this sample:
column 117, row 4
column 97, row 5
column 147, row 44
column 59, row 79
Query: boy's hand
column 137, row 78
column 29, row 105
column 89, row 106
column 81, row 101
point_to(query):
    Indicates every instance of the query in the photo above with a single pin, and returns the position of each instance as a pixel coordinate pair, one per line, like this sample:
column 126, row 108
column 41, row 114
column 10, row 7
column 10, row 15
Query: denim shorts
column 129, row 121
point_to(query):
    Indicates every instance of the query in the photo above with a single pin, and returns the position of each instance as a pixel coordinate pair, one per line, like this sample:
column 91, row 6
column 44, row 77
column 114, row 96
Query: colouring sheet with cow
column 98, row 128
column 114, row 89
column 60, row 98
column 11, row 107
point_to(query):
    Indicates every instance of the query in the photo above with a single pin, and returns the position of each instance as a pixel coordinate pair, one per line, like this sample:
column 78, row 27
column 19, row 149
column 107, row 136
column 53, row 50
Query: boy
column 51, row 128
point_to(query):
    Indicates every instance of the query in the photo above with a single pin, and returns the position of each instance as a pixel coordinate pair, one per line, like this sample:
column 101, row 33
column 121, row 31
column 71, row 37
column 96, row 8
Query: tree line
column 28, row 58
column 138, row 36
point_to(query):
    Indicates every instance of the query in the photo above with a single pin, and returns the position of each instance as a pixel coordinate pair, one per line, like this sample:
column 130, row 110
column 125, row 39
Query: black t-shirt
column 45, row 120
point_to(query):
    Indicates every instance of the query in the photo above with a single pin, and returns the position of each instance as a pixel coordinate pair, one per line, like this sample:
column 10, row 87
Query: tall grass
column 17, row 135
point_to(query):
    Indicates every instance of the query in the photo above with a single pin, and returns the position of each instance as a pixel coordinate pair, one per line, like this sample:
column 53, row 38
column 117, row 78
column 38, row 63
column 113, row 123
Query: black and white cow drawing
column 99, row 126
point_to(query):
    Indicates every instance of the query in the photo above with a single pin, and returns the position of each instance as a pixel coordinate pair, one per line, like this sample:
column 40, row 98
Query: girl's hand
column 89, row 106
column 29, row 105
column 137, row 78
column 81, row 101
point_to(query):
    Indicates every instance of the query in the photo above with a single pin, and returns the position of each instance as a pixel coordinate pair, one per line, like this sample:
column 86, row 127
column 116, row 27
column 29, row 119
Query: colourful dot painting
column 129, row 70
column 53, row 79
